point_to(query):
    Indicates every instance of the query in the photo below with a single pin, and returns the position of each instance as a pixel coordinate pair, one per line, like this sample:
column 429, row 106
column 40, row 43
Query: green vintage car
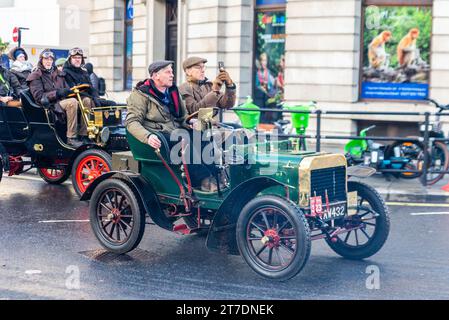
column 275, row 201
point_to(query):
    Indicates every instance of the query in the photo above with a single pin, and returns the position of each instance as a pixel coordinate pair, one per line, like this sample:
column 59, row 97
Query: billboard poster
column 396, row 53
column 269, row 59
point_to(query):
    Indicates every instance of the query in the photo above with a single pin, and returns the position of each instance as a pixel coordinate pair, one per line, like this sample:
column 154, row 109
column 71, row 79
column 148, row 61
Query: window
column 171, row 41
column 268, row 85
column 128, row 69
column 396, row 50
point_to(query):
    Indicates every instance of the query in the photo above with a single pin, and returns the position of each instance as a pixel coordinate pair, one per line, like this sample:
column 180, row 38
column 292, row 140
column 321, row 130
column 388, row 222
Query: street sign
column 15, row 34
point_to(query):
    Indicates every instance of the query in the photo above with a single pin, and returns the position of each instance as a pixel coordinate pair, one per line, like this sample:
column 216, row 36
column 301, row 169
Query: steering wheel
column 81, row 87
column 77, row 89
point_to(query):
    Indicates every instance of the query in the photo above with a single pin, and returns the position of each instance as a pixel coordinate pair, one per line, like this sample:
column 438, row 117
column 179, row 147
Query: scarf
column 169, row 98
column 199, row 82
column 19, row 66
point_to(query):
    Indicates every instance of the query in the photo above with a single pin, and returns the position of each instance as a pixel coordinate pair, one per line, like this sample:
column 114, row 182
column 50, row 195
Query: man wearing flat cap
column 198, row 92
column 155, row 105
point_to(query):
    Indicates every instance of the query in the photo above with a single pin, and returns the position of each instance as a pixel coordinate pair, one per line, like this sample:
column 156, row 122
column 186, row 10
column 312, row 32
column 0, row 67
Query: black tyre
column 88, row 166
column 413, row 150
column 116, row 216
column 273, row 237
column 439, row 161
column 366, row 241
column 53, row 176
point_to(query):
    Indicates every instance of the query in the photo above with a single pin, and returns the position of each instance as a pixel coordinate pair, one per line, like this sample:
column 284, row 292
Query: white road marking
column 428, row 213
column 408, row 204
column 30, row 178
column 63, row 221
column 31, row 272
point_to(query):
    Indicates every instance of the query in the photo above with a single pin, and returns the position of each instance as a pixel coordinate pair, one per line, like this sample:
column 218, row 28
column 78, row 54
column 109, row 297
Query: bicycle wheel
column 439, row 157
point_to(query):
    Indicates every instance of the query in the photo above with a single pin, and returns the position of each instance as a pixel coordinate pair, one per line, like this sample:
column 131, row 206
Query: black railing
column 426, row 140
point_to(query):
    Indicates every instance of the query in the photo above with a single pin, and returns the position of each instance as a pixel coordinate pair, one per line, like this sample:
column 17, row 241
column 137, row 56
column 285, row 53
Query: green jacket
column 147, row 115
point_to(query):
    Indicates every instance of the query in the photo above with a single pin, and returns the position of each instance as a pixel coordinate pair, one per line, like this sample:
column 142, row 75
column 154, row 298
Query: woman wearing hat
column 20, row 68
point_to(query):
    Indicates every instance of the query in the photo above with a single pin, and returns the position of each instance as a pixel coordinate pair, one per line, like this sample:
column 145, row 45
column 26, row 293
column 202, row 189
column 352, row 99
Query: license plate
column 329, row 211
column 335, row 211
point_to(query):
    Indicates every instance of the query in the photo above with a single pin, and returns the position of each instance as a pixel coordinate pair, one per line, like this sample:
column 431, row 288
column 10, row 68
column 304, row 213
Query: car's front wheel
column 273, row 237
column 368, row 228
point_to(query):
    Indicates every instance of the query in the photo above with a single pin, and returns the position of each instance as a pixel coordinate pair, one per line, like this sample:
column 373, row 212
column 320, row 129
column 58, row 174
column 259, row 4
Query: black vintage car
column 32, row 136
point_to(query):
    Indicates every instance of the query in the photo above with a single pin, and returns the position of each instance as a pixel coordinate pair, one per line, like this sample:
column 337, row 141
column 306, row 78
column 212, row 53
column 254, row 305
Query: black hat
column 158, row 65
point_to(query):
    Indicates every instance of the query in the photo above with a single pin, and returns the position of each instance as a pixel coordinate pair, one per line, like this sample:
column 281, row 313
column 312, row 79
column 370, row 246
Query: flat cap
column 190, row 62
column 158, row 65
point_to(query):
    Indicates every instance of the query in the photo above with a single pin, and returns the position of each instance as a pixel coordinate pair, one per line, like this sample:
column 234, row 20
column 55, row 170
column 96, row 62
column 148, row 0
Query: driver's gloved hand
column 63, row 93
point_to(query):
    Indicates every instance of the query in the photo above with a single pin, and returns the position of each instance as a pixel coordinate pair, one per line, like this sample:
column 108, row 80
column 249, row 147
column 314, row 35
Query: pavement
column 400, row 190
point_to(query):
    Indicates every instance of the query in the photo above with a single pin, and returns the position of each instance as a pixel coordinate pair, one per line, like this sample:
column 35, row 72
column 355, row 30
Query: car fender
column 360, row 171
column 144, row 191
column 222, row 234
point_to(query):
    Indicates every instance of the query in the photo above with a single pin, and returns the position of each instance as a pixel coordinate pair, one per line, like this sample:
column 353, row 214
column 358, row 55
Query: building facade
column 351, row 55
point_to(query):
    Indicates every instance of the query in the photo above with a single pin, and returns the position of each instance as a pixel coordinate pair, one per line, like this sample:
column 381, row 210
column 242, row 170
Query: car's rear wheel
column 53, row 176
column 116, row 216
column 88, row 166
column 273, row 237
column 368, row 228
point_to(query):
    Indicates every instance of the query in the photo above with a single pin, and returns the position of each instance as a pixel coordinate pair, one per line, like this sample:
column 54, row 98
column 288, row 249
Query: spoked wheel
column 116, row 216
column 439, row 161
column 53, row 176
column 273, row 237
column 412, row 150
column 88, row 166
column 368, row 228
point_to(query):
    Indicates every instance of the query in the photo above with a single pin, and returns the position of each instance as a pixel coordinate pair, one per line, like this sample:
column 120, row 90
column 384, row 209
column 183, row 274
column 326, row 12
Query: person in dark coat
column 48, row 83
column 9, row 87
column 20, row 68
column 76, row 75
